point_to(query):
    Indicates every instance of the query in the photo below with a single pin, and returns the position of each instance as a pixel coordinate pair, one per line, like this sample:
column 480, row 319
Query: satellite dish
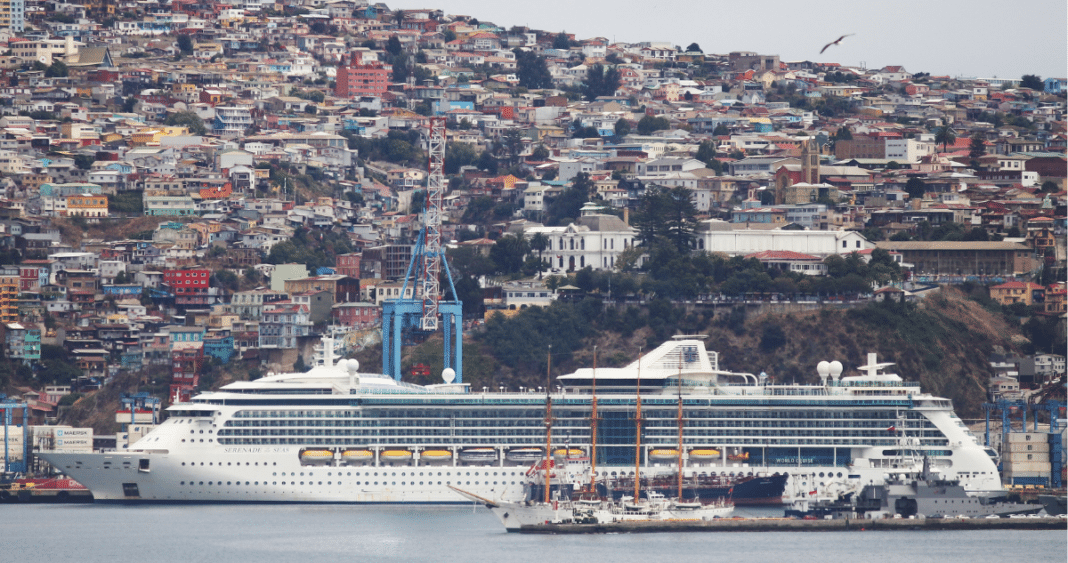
column 180, row 106
column 449, row 375
column 43, row 59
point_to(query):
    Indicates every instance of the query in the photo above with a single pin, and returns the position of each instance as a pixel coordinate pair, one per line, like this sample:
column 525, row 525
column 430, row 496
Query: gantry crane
column 421, row 311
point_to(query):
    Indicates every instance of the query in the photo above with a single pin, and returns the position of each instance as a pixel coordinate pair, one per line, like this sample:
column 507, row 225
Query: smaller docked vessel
column 524, row 516
column 1055, row 505
column 28, row 491
column 920, row 495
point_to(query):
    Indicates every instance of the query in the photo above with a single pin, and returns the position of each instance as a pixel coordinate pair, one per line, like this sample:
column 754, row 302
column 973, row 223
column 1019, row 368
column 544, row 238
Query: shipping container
column 1018, row 457
column 1030, row 481
column 1015, row 447
column 1026, row 466
column 142, row 417
column 67, row 433
column 1024, row 437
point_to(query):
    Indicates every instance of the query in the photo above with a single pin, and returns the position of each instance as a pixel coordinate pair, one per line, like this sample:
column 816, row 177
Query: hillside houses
column 240, row 130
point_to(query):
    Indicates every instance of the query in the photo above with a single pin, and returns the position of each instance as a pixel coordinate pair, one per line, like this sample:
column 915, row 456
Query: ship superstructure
column 336, row 435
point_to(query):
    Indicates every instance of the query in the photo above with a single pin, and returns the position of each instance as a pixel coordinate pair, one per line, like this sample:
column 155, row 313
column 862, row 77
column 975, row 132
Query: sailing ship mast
column 593, row 428
column 680, row 425
column 638, row 425
column 548, row 423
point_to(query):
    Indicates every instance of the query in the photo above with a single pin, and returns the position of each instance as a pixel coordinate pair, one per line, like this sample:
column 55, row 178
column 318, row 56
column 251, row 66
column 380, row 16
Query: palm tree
column 945, row 136
column 539, row 242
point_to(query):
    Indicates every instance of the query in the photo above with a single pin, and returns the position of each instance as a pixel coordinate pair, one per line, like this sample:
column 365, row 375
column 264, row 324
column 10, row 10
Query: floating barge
column 795, row 525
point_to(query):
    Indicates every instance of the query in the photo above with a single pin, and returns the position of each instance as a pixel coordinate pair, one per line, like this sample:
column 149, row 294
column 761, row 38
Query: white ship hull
column 289, row 438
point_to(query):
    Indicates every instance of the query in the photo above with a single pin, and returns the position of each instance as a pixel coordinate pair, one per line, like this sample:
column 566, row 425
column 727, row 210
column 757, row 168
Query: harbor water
column 287, row 533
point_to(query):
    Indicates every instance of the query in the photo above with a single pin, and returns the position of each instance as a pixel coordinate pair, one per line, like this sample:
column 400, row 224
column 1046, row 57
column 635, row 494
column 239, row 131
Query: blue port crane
column 420, row 310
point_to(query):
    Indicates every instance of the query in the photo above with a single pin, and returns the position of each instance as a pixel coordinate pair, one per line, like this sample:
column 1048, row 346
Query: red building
column 370, row 79
column 185, row 372
column 190, row 287
column 348, row 265
column 357, row 315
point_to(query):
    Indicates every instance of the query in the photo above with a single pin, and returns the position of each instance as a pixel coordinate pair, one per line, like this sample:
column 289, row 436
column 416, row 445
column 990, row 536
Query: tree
column 977, row 148
column 600, row 81
column 487, row 162
column 532, row 71
column 721, row 130
column 622, row 127
column 650, row 124
column 562, row 41
column 185, row 44
column 508, row 253
column 843, row 134
column 945, row 135
column 458, row 155
column 540, row 153
column 915, row 188
column 512, row 143
column 694, row 48
column 539, row 242
column 1050, row 186
column 1032, row 81
column 449, row 35
column 667, row 215
column 393, row 46
column 84, row 161
column 187, row 119
column 58, row 69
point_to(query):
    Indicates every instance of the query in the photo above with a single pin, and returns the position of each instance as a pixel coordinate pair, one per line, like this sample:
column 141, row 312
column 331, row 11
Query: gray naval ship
column 923, row 494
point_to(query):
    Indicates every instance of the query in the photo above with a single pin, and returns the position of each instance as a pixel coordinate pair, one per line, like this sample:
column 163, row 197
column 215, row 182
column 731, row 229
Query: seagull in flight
column 835, row 42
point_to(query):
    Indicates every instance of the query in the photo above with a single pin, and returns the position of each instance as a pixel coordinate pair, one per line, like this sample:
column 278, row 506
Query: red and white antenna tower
column 432, row 256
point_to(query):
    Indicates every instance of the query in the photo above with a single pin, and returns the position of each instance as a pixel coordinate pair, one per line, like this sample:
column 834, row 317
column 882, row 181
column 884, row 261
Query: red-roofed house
column 1018, row 292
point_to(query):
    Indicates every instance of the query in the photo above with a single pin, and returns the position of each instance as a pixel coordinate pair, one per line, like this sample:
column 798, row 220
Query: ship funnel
column 824, row 369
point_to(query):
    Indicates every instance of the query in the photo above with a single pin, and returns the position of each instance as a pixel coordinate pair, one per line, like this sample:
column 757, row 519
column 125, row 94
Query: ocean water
column 289, row 533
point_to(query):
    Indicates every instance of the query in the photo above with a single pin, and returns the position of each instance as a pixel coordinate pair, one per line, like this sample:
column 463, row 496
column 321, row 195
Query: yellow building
column 1017, row 292
column 87, row 205
column 9, row 293
column 150, row 136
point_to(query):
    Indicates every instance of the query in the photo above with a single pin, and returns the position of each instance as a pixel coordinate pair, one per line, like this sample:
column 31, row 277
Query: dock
column 795, row 525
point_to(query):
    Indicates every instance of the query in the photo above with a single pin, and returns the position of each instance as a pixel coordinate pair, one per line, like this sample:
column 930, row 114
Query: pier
column 794, row 525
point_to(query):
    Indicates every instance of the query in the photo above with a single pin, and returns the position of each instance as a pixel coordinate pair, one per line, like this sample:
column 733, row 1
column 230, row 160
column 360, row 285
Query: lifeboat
column 435, row 456
column 706, row 454
column 478, row 455
column 744, row 456
column 525, row 455
column 664, row 455
column 395, row 456
column 316, row 457
column 354, row 457
column 568, row 452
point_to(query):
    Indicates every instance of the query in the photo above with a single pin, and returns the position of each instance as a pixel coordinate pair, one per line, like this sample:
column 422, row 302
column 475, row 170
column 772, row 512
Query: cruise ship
column 334, row 434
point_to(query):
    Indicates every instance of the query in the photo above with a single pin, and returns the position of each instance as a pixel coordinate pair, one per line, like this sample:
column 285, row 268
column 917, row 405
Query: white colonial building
column 714, row 235
column 594, row 240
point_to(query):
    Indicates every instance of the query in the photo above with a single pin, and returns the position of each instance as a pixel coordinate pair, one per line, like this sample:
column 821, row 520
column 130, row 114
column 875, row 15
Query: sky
column 960, row 38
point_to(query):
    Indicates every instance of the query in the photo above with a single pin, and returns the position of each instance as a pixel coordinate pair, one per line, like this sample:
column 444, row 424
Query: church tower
column 810, row 162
